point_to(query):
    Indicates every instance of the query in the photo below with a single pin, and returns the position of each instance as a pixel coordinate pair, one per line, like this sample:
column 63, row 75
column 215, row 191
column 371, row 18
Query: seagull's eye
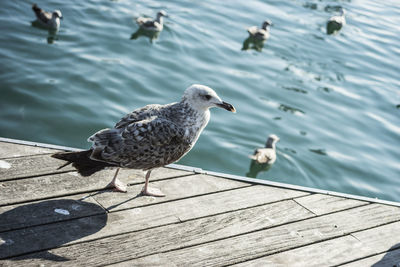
column 207, row 97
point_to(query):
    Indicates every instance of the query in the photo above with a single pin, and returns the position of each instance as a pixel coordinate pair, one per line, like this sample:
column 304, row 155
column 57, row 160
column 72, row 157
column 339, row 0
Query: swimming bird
column 149, row 137
column 335, row 23
column 152, row 25
column 262, row 33
column 47, row 19
column 267, row 155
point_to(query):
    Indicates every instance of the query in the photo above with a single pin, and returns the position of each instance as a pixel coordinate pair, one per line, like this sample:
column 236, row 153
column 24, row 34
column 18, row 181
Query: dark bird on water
column 335, row 23
column 149, row 137
column 46, row 19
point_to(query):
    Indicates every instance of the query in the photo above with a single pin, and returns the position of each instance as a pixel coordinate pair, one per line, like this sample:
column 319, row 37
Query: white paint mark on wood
column 61, row 211
column 6, row 242
column 4, row 164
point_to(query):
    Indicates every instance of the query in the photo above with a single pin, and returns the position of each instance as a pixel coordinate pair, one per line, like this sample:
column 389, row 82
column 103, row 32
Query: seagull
column 260, row 34
column 152, row 25
column 267, row 155
column 47, row 19
column 149, row 137
column 335, row 23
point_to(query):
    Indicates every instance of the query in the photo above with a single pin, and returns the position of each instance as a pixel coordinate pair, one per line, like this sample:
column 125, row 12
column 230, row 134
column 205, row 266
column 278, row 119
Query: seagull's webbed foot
column 150, row 191
column 116, row 184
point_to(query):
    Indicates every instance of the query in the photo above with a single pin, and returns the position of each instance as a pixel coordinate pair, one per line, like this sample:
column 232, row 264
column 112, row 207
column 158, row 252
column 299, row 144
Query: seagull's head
column 265, row 24
column 201, row 97
column 161, row 13
column 57, row 14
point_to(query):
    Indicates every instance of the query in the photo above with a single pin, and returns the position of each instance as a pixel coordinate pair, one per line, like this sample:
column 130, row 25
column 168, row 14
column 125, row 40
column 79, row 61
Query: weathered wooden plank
column 322, row 204
column 203, row 230
column 56, row 185
column 47, row 211
column 195, row 184
column 340, row 250
column 253, row 245
column 388, row 259
column 328, row 253
column 203, row 185
column 232, row 250
column 381, row 239
column 11, row 150
column 31, row 166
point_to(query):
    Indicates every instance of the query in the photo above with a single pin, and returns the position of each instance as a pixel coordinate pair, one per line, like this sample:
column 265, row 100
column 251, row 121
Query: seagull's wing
column 252, row 30
column 147, row 22
column 41, row 14
column 144, row 144
column 262, row 34
column 138, row 115
column 263, row 155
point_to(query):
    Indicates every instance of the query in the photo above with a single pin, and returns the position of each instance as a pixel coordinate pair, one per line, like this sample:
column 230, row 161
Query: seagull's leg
column 148, row 191
column 117, row 184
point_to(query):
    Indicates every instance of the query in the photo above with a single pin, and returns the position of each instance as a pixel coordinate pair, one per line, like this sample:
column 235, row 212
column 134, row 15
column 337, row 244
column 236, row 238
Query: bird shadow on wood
column 29, row 231
column 123, row 202
column 391, row 258
column 152, row 35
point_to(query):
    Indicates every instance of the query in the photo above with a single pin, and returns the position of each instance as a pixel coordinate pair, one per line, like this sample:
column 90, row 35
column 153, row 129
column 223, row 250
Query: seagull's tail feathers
column 81, row 161
column 36, row 9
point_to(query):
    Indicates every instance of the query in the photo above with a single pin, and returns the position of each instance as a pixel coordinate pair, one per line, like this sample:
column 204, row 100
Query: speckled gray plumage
column 148, row 137
column 154, row 135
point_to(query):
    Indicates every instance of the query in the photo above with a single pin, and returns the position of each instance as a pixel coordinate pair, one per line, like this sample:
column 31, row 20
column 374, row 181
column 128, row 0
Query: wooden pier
column 51, row 217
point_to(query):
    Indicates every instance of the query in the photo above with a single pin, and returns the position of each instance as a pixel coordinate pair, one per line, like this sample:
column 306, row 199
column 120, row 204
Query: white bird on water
column 150, row 24
column 335, row 23
column 47, row 19
column 267, row 155
column 262, row 33
column 149, row 137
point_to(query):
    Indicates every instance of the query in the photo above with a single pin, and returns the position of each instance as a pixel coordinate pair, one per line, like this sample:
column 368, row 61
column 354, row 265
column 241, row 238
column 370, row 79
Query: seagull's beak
column 227, row 106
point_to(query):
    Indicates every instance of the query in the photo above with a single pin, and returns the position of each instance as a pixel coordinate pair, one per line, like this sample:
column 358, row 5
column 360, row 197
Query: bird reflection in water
column 52, row 33
column 263, row 158
column 52, row 36
column 253, row 43
column 152, row 35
